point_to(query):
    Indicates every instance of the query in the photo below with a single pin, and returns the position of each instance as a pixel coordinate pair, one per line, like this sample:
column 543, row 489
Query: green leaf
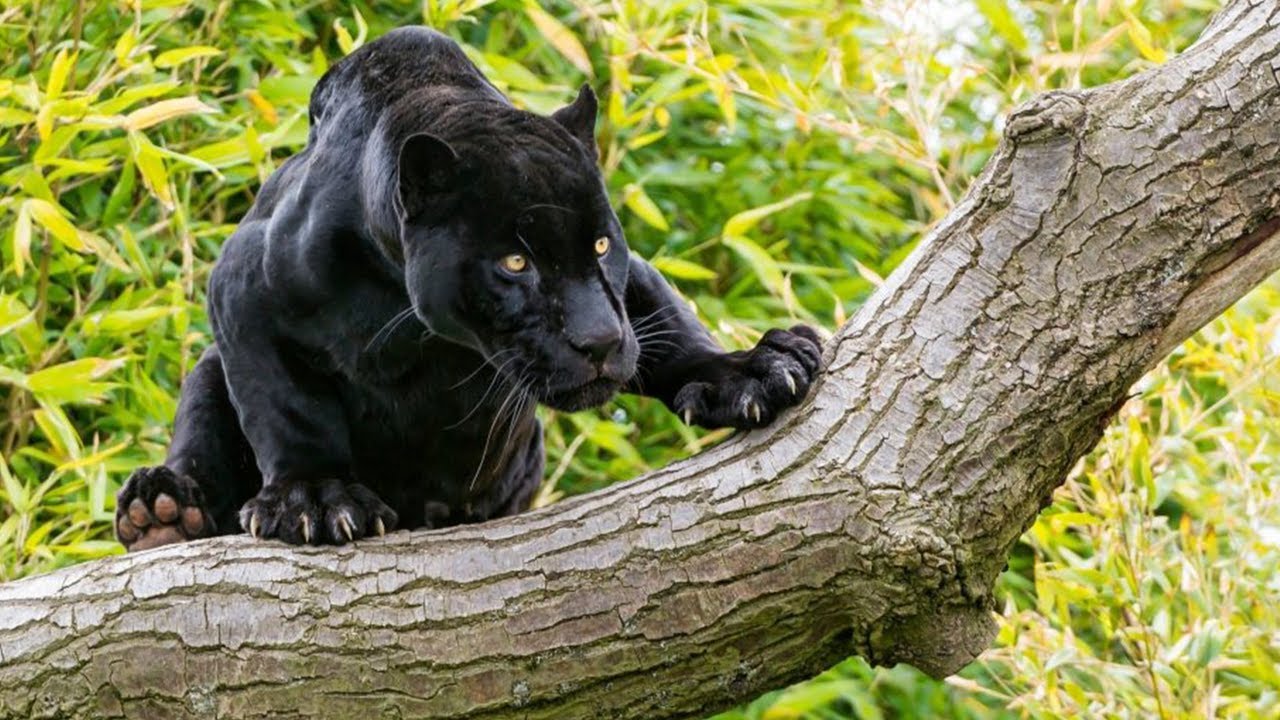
column 13, row 313
column 125, row 322
column 13, row 116
column 16, row 491
column 73, row 381
column 151, row 167
column 764, row 266
column 739, row 224
column 172, row 58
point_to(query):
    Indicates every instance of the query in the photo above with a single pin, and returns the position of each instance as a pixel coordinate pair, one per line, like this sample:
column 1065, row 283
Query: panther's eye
column 602, row 246
column 515, row 263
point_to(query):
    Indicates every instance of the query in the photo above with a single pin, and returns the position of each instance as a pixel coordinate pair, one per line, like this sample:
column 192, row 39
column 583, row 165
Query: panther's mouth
column 587, row 395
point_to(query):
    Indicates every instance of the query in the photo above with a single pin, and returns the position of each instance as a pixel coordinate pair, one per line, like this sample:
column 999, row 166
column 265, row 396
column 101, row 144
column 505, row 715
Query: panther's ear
column 428, row 166
column 579, row 118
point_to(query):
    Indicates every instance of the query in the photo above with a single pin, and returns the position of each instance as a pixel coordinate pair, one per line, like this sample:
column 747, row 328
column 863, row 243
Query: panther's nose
column 598, row 344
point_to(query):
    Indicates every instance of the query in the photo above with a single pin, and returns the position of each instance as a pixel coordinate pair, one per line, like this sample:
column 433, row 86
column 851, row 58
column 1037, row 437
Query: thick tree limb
column 1110, row 224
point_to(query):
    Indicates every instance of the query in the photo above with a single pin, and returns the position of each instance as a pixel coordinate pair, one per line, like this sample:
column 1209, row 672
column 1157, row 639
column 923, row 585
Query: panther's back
column 378, row 74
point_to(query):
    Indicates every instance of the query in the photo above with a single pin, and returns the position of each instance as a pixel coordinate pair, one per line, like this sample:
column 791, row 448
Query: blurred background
column 775, row 159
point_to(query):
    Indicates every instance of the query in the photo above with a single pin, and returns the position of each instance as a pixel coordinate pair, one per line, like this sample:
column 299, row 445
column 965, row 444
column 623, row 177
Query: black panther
column 402, row 294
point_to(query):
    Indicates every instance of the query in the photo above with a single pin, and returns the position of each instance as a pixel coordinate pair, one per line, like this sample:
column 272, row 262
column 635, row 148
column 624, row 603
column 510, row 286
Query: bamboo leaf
column 682, row 269
column 62, row 64
column 125, row 44
column 151, row 166
column 740, row 223
column 50, row 217
column 764, row 266
column 560, row 37
column 634, row 197
column 21, row 240
column 1141, row 37
column 73, row 381
column 13, row 116
column 164, row 110
column 997, row 13
column 173, row 58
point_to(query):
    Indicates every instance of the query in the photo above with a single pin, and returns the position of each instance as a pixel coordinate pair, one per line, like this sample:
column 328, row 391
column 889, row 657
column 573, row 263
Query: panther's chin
column 588, row 395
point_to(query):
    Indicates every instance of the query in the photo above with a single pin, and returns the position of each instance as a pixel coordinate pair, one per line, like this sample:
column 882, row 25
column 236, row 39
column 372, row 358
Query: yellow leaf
column 125, row 45
column 728, row 106
column 263, row 106
column 164, row 110
column 173, row 58
column 21, row 240
column 648, row 138
column 560, row 37
column 634, row 197
column 1141, row 37
column 44, row 121
column 49, row 216
column 345, row 42
column 682, row 269
column 62, row 64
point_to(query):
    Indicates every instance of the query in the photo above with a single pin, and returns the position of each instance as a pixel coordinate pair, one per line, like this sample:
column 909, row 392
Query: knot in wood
column 1051, row 115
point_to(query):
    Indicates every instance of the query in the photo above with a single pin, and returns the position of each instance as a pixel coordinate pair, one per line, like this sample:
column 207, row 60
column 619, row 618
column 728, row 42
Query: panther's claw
column 748, row 389
column 304, row 511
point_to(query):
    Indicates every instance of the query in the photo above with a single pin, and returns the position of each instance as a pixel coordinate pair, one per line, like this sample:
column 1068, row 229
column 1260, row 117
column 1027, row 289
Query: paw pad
column 158, row 507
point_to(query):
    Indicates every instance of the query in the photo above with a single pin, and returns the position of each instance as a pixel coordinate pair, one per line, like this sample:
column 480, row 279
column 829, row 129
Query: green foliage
column 775, row 159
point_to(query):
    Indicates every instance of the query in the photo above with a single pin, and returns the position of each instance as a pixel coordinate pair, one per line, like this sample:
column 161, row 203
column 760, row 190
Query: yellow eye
column 602, row 246
column 515, row 263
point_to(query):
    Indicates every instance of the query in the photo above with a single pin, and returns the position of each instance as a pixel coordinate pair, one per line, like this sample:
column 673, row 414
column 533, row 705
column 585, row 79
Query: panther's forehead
column 566, row 234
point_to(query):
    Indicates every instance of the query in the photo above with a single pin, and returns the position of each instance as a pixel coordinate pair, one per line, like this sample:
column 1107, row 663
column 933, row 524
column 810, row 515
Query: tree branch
column 1109, row 225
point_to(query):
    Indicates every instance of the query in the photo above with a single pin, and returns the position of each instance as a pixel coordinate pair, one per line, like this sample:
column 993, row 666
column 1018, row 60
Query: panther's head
column 511, row 248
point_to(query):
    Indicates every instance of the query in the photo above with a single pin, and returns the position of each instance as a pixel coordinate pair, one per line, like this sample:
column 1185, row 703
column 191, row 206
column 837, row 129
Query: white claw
column 253, row 525
column 791, row 383
column 688, row 416
column 306, row 529
column 755, row 410
column 345, row 525
column 377, row 525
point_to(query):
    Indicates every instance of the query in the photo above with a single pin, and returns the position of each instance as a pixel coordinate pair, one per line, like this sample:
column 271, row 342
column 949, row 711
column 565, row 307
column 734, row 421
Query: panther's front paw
column 158, row 507
column 748, row 389
column 314, row 513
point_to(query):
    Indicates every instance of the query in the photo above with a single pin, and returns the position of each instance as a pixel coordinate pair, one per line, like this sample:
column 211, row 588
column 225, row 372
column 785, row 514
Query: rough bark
column 1109, row 225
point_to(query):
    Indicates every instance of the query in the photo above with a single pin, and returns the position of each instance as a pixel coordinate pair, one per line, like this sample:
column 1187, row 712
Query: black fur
column 375, row 364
